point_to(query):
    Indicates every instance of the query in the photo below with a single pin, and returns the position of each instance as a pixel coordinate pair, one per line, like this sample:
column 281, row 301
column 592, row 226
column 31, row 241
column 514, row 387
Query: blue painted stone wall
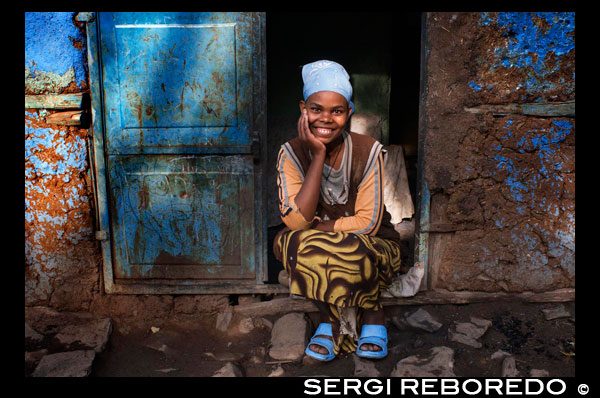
column 55, row 53
column 61, row 256
column 506, row 182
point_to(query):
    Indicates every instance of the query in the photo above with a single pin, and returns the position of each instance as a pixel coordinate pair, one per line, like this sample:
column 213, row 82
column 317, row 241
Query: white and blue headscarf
column 326, row 76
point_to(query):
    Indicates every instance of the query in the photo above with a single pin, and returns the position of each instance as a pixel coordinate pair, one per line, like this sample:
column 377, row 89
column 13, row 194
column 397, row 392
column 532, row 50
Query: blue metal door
column 182, row 93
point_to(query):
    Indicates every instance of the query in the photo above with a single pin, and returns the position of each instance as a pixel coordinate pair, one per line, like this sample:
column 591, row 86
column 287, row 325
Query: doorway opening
column 382, row 54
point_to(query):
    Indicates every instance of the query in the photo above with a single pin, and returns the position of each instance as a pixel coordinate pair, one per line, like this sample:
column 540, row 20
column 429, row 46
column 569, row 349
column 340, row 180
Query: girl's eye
column 335, row 111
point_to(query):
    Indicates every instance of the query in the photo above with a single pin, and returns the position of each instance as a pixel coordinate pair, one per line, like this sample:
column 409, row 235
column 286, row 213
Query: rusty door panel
column 183, row 217
column 183, row 182
column 179, row 82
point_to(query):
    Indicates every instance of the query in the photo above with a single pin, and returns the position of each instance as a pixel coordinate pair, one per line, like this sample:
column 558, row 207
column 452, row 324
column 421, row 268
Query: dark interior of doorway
column 369, row 43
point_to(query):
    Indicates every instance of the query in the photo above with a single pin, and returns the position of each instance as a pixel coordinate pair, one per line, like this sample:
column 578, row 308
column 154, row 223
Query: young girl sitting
column 338, row 247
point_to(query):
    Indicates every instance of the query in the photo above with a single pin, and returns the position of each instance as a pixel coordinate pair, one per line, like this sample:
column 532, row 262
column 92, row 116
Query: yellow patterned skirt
column 339, row 269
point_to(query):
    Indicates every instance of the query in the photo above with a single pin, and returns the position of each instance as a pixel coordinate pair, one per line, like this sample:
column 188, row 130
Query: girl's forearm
column 308, row 196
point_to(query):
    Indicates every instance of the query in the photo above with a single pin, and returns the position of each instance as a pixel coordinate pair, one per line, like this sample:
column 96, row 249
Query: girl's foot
column 319, row 348
column 371, row 317
column 324, row 317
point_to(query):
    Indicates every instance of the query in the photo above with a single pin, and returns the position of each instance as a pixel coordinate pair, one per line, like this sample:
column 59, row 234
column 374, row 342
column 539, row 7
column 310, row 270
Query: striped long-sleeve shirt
column 368, row 209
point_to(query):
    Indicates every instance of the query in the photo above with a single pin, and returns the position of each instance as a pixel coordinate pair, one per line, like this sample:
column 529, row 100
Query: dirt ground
column 198, row 349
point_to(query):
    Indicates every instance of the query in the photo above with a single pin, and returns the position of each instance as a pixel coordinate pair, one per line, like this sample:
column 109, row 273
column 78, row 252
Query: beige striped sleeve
column 368, row 209
column 289, row 182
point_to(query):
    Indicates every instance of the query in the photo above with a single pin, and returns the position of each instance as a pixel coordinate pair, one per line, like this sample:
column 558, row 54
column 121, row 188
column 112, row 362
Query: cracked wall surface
column 504, row 181
column 62, row 258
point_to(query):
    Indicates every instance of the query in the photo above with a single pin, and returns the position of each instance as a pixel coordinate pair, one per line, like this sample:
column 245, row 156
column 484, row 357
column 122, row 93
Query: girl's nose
column 325, row 116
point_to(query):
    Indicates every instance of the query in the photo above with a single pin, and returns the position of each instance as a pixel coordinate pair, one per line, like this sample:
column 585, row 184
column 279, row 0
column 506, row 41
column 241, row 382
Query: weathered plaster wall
column 55, row 53
column 61, row 256
column 60, row 253
column 503, row 181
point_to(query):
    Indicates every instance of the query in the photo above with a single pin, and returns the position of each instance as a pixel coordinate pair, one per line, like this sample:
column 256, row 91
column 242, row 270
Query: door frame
column 98, row 165
column 423, row 202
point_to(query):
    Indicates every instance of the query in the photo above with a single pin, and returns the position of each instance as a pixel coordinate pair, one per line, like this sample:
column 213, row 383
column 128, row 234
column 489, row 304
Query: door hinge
column 101, row 235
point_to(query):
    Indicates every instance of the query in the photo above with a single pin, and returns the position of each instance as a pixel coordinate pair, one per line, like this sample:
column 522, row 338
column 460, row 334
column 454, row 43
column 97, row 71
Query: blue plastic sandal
column 324, row 329
column 373, row 334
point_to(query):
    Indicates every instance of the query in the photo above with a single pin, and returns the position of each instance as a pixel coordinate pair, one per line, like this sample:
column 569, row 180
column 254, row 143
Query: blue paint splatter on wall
column 72, row 152
column 52, row 154
column 56, row 203
column 474, row 85
column 528, row 39
column 49, row 38
column 57, row 208
column 521, row 180
column 531, row 37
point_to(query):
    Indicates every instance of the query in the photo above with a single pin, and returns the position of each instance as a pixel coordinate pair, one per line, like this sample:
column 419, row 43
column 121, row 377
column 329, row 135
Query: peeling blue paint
column 529, row 42
column 521, row 180
column 528, row 39
column 49, row 38
column 474, row 85
column 56, row 221
column 45, row 172
column 73, row 152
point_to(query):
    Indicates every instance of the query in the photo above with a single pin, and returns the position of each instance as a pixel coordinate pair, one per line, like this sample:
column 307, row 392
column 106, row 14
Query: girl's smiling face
column 328, row 112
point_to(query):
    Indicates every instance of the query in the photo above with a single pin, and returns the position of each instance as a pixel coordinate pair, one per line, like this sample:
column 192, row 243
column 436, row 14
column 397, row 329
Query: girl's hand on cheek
column 314, row 144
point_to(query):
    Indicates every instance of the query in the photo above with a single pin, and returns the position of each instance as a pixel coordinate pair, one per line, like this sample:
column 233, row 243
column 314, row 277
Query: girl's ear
column 302, row 106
